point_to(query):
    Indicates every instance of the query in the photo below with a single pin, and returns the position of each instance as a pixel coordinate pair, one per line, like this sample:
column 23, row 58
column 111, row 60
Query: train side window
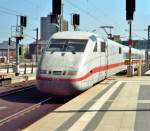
column 103, row 46
column 120, row 51
column 95, row 48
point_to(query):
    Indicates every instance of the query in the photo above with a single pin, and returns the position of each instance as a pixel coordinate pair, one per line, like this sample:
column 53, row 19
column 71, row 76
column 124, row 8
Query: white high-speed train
column 74, row 61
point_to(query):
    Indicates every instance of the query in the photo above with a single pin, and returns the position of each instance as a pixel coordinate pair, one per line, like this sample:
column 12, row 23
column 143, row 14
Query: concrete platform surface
column 116, row 104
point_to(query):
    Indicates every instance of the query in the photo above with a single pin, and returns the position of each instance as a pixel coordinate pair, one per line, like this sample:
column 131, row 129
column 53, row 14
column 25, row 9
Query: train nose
column 56, row 87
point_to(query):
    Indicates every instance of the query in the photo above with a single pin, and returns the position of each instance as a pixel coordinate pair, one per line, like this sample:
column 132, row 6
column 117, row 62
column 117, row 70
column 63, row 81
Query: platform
column 116, row 104
column 24, row 77
column 10, row 78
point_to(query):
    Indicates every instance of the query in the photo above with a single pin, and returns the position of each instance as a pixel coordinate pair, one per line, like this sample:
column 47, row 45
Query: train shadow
column 33, row 96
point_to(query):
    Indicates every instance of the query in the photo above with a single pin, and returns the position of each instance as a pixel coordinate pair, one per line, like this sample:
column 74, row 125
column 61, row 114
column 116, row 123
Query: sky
column 93, row 14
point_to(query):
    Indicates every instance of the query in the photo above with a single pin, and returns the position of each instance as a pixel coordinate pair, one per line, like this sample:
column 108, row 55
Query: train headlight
column 71, row 73
column 40, row 71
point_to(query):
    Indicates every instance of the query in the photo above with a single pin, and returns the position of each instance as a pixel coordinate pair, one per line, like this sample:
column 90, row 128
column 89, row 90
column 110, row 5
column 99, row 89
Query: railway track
column 13, row 88
column 24, row 105
column 22, row 112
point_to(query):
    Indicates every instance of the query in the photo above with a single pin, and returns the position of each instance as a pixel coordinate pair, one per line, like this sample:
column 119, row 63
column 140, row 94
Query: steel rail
column 22, row 112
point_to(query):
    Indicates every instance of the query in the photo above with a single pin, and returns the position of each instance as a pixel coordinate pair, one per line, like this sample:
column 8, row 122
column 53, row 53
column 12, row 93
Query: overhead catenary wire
column 91, row 15
column 86, row 12
column 29, row 36
column 31, row 2
column 12, row 12
column 37, row 6
column 139, row 36
column 104, row 15
column 95, row 18
column 7, row 12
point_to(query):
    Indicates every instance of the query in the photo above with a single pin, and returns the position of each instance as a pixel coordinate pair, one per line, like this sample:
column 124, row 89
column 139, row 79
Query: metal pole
column 60, row 23
column 62, row 10
column 147, row 54
column 130, row 73
column 9, row 41
column 130, row 38
column 148, row 45
column 61, row 18
column 74, row 27
column 37, row 45
column 17, row 49
column 17, row 56
column 8, row 51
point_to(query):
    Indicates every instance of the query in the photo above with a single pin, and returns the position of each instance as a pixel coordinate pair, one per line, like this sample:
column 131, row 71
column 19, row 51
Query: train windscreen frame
column 67, row 45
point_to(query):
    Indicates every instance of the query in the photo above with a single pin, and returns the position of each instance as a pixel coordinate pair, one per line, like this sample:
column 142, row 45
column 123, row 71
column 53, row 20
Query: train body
column 74, row 61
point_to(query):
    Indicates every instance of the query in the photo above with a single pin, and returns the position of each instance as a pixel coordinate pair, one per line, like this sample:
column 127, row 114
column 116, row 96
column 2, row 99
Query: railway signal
column 56, row 16
column 75, row 20
column 130, row 8
column 19, row 37
column 23, row 21
column 56, row 7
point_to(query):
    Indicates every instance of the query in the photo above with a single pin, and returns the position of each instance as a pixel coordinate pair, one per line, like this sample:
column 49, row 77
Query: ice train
column 74, row 61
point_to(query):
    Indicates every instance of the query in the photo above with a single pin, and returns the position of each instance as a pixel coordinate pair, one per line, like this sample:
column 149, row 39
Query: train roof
column 72, row 35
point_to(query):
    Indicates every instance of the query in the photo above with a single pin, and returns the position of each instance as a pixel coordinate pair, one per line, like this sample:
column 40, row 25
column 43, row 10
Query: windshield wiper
column 73, row 52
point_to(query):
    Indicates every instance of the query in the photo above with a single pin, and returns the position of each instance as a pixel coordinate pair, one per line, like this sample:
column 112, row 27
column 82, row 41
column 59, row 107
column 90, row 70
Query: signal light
column 130, row 8
column 23, row 21
column 9, row 41
column 56, row 7
column 20, row 50
column 76, row 19
column 130, row 5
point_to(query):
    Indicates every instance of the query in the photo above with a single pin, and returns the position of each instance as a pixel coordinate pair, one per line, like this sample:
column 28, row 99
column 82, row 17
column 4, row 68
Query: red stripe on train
column 93, row 71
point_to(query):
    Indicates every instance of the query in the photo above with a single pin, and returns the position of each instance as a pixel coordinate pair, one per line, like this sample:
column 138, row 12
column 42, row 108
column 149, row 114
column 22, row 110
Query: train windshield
column 61, row 45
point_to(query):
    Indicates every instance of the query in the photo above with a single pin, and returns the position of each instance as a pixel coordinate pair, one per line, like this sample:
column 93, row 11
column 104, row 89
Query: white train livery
column 74, row 61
